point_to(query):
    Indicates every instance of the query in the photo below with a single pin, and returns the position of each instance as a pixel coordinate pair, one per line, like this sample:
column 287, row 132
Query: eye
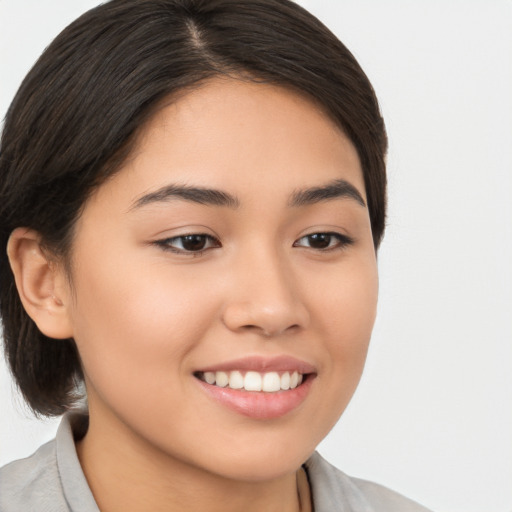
column 324, row 241
column 194, row 243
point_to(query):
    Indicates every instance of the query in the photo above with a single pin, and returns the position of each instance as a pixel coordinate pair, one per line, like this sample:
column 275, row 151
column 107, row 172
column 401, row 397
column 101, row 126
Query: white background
column 433, row 415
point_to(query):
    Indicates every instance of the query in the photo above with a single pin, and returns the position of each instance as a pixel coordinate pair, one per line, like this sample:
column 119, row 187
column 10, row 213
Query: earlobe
column 41, row 284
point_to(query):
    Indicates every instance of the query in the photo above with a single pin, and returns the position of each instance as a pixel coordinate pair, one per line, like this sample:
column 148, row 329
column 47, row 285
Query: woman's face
column 234, row 244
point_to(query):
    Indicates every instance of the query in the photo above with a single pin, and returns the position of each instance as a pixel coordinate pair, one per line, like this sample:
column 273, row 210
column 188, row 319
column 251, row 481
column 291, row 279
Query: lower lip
column 258, row 404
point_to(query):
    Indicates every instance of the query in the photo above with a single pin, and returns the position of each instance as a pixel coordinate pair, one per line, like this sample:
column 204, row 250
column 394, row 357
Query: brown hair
column 76, row 116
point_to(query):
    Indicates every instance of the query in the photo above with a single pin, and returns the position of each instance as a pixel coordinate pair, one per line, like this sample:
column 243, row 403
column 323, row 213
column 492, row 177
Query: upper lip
column 262, row 364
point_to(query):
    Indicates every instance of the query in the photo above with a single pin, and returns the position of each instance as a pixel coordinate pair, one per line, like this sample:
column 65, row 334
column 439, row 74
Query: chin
column 261, row 468
column 262, row 458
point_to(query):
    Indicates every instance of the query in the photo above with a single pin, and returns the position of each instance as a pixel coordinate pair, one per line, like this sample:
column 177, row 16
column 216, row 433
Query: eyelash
column 165, row 244
column 343, row 241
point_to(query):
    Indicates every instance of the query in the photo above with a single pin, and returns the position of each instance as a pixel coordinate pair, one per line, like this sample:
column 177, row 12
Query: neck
column 124, row 474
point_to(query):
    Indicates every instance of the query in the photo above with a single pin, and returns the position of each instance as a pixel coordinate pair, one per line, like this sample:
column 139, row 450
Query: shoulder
column 333, row 490
column 32, row 483
column 50, row 480
column 380, row 496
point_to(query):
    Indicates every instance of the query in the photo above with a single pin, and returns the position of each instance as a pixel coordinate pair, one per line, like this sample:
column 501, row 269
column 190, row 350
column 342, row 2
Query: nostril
column 269, row 332
column 264, row 318
column 258, row 330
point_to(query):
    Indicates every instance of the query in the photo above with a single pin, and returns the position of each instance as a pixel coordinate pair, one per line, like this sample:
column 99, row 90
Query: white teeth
column 236, row 380
column 269, row 382
column 285, row 381
column 209, row 377
column 221, row 379
column 294, row 380
column 252, row 381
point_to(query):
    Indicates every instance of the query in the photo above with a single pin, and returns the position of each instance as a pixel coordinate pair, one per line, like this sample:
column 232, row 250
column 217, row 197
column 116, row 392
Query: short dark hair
column 77, row 114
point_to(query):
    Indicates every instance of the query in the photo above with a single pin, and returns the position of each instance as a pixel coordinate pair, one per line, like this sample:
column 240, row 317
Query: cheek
column 346, row 301
column 130, row 328
column 345, row 306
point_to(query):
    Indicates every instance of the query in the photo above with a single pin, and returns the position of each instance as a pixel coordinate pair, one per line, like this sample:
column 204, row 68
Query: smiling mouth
column 266, row 382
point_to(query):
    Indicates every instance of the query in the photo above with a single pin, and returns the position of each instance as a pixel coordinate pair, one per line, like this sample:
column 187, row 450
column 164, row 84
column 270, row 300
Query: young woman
column 192, row 199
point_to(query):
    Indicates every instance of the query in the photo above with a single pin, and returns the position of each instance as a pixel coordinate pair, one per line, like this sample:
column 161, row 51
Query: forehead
column 249, row 137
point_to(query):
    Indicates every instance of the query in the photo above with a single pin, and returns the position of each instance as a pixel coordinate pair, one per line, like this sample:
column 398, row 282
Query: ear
column 42, row 284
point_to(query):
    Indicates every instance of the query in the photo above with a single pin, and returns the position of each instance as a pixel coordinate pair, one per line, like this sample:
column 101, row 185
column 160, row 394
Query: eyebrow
column 200, row 195
column 212, row 197
column 333, row 190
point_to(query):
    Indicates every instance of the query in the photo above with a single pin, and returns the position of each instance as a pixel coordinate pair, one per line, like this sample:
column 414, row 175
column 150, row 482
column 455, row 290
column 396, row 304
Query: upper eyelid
column 165, row 243
column 206, row 235
column 326, row 232
column 184, row 235
column 343, row 239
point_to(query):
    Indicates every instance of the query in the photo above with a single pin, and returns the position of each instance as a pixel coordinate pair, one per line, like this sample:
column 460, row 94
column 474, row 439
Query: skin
column 145, row 318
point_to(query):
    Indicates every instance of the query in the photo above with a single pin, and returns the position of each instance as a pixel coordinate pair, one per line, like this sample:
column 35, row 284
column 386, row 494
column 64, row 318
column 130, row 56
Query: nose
column 265, row 297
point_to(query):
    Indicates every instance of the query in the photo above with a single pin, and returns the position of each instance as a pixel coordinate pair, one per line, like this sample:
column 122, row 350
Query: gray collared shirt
column 51, row 480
